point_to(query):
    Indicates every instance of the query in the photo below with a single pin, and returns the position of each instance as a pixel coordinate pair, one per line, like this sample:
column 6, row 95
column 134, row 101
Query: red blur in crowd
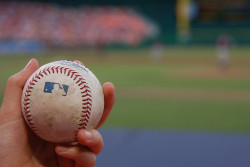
column 91, row 26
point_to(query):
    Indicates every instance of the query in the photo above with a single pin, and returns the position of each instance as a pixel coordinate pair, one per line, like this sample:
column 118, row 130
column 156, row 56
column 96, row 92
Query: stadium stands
column 55, row 25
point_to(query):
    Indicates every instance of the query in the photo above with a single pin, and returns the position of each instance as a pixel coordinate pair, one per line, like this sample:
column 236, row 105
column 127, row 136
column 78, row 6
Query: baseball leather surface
column 60, row 98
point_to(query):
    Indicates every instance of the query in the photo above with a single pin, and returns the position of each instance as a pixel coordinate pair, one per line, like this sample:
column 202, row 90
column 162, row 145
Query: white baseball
column 60, row 98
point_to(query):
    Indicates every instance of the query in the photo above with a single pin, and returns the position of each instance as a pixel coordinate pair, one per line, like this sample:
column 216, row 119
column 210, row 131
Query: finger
column 79, row 62
column 82, row 155
column 109, row 100
column 92, row 139
column 11, row 102
column 64, row 162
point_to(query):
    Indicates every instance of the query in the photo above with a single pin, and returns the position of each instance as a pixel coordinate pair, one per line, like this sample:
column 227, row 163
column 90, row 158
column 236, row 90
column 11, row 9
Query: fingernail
column 27, row 65
column 88, row 135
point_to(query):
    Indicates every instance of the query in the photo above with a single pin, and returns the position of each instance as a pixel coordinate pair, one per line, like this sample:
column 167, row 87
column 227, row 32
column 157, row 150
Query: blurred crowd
column 92, row 26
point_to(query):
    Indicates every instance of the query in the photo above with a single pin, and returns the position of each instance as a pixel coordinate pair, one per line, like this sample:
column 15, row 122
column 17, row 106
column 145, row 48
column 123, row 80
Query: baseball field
column 185, row 90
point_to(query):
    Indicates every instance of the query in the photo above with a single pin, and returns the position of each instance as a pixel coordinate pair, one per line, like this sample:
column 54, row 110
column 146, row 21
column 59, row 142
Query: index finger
column 109, row 100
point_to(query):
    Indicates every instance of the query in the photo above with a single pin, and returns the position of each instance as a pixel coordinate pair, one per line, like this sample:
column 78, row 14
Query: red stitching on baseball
column 31, row 83
column 85, row 118
column 28, row 116
column 61, row 70
column 86, row 109
column 26, row 102
column 83, row 124
column 83, row 88
column 69, row 72
column 86, row 91
column 26, row 108
column 87, row 106
column 53, row 70
column 40, row 73
column 29, row 87
column 85, row 94
column 87, row 103
column 26, row 112
column 48, row 70
column 34, row 80
column 37, row 76
column 57, row 69
column 76, row 76
column 44, row 71
column 79, row 80
column 73, row 73
column 65, row 69
column 85, row 115
column 88, row 99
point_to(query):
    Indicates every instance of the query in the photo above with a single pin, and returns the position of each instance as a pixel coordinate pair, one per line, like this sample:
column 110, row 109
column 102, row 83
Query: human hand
column 22, row 148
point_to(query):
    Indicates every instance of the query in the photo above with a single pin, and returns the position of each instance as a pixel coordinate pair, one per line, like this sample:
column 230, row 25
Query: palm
column 30, row 149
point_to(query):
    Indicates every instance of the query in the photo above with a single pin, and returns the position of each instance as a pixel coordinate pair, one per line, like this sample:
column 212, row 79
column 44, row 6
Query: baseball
column 60, row 98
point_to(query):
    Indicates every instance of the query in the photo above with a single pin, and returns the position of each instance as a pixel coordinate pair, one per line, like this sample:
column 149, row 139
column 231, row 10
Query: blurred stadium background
column 177, row 104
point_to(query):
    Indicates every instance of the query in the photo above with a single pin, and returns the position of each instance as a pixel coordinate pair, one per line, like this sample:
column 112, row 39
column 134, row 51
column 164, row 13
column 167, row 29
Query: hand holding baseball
column 21, row 147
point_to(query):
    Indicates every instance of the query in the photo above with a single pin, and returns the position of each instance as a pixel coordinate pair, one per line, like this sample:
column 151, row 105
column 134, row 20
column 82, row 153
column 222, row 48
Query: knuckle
column 13, row 80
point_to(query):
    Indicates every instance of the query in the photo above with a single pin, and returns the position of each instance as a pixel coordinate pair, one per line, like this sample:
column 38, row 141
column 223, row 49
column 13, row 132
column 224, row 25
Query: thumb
column 11, row 105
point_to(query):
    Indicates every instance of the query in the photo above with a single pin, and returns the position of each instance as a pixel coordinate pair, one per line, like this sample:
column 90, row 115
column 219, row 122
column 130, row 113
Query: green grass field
column 185, row 90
